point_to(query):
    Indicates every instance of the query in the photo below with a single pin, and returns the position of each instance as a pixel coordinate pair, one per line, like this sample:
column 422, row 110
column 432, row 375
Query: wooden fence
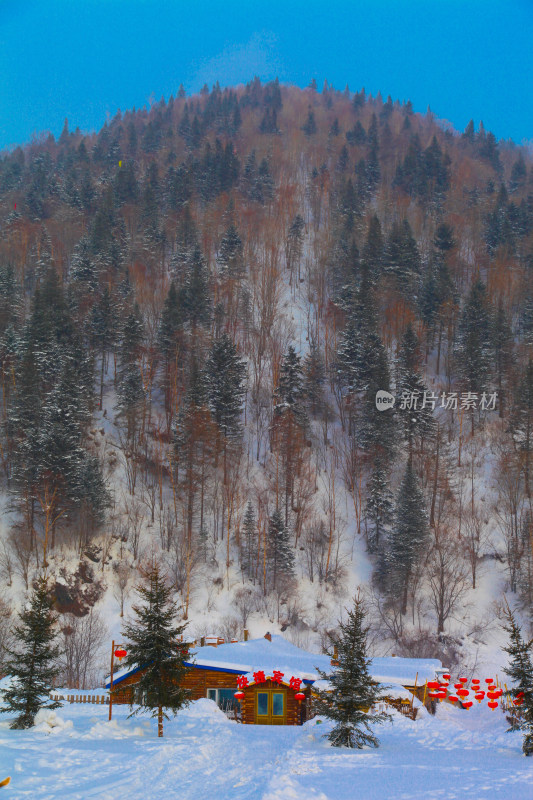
column 100, row 699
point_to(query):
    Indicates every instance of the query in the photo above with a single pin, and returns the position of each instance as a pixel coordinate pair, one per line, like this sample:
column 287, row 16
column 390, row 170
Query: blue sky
column 84, row 59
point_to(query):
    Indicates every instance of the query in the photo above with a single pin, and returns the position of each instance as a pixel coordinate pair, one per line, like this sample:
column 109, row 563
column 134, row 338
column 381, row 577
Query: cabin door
column 271, row 707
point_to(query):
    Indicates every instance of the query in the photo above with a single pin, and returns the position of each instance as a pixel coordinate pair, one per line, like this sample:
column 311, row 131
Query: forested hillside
column 198, row 305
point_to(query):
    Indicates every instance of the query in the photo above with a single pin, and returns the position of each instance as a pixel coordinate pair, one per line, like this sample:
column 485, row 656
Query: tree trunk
column 160, row 721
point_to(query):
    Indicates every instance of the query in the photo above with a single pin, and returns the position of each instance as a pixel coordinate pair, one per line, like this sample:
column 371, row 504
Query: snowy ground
column 458, row 754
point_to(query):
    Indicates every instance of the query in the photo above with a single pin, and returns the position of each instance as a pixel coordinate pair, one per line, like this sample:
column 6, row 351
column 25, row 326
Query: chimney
column 246, row 634
column 268, row 636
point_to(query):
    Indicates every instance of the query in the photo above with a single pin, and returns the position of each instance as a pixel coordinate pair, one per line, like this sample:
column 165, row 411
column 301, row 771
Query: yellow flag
column 120, row 163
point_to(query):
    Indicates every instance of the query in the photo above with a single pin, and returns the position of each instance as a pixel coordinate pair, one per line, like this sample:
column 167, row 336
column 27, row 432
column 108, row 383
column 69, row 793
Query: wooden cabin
column 270, row 672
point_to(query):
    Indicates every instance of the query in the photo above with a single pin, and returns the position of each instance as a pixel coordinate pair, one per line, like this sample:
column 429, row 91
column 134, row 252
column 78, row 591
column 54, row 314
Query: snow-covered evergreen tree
column 520, row 671
column 224, row 374
column 352, row 691
column 416, row 418
column 230, row 258
column 152, row 643
column 289, row 394
column 408, row 534
column 33, row 664
column 249, row 543
column 379, row 507
column 280, row 555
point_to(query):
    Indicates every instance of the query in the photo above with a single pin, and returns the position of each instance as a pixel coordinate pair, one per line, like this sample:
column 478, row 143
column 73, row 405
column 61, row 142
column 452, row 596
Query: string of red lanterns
column 438, row 690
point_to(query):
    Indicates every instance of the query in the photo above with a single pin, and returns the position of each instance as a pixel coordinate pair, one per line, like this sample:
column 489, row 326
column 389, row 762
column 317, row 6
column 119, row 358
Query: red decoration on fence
column 242, row 681
column 259, row 676
column 120, row 653
column 277, row 676
column 295, row 683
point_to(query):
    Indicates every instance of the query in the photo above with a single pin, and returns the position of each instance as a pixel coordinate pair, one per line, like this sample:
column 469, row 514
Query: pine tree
column 33, row 665
column 522, row 421
column 352, row 692
column 379, row 512
column 294, row 244
column 474, row 341
column 520, row 671
column 195, row 299
column 309, row 126
column 225, row 372
column 402, row 257
column 373, row 249
column 314, row 378
column 408, row 534
column 415, row 418
column 280, row 555
column 503, row 352
column 152, row 644
column 103, row 330
column 230, row 257
column 249, row 543
column 289, row 394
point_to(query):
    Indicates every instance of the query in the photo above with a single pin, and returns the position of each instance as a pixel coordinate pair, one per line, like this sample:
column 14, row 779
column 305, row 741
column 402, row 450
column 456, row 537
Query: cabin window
column 224, row 698
column 262, row 704
column 277, row 704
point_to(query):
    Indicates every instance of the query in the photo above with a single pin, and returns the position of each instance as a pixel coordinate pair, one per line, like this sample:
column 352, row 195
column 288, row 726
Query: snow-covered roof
column 244, row 658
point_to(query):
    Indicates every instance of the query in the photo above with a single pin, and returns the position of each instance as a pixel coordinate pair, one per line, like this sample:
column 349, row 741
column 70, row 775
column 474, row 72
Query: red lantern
column 488, row 680
column 120, row 653
column 239, row 696
column 446, row 676
column 453, row 699
column 300, row 696
column 468, row 705
column 433, row 694
column 520, row 694
column 458, row 685
column 493, row 704
column 463, row 680
column 441, row 695
column 480, row 696
column 433, row 684
column 492, row 695
column 463, row 692
column 475, row 681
